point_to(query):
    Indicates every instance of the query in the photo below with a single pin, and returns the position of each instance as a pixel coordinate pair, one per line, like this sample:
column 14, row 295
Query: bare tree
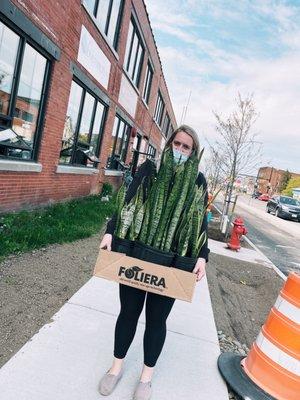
column 213, row 169
column 239, row 150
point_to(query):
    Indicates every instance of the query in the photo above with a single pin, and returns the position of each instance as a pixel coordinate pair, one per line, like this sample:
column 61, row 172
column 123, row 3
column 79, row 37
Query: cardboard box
column 144, row 275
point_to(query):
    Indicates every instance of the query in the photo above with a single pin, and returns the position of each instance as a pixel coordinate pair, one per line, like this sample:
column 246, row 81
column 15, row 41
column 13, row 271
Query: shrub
column 107, row 189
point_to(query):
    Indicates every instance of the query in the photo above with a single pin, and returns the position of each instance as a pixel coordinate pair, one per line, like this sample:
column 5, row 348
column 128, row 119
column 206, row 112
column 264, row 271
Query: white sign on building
column 92, row 58
column 296, row 193
column 128, row 96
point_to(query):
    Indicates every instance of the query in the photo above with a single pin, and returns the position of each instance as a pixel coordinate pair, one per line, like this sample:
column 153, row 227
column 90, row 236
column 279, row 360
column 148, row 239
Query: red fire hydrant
column 237, row 231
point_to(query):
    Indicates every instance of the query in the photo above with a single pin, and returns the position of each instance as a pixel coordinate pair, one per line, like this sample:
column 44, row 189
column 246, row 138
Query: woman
column 184, row 141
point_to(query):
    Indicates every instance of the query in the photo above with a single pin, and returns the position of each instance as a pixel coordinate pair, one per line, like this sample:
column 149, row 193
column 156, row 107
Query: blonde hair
column 188, row 130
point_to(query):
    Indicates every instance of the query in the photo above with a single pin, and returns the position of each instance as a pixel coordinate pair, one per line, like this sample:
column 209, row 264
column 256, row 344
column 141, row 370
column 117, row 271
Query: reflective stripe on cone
column 274, row 359
column 272, row 368
column 288, row 309
column 269, row 376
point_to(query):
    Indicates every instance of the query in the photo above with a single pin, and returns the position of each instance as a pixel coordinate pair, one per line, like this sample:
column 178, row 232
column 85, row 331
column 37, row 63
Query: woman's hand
column 106, row 242
column 200, row 268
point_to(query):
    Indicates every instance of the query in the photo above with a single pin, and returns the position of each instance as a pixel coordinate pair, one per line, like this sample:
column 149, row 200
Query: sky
column 215, row 49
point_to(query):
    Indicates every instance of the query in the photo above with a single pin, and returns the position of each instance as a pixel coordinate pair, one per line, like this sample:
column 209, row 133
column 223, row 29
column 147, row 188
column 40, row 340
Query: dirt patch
column 35, row 285
column 242, row 296
column 215, row 233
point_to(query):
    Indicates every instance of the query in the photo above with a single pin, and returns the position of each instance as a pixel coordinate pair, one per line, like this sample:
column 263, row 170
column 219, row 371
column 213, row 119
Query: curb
column 276, row 269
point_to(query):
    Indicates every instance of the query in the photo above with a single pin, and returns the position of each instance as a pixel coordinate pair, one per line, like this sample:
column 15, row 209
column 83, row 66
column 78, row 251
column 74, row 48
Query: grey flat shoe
column 143, row 391
column 109, row 382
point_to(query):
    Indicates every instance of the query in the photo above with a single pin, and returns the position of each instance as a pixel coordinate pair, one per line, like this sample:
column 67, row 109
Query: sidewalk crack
column 91, row 308
column 143, row 323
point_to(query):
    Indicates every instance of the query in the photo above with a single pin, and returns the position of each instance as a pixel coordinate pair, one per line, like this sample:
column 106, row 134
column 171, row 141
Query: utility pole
column 184, row 111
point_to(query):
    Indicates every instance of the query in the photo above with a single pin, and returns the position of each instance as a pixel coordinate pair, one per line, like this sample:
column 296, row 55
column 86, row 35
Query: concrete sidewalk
column 67, row 357
column 253, row 255
column 250, row 255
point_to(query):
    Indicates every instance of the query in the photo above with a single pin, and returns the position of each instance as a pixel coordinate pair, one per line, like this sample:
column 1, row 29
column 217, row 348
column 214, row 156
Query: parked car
column 284, row 207
column 264, row 197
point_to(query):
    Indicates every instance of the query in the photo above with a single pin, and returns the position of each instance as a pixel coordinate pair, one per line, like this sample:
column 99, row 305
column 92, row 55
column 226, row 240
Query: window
column 134, row 54
column 151, row 150
column 119, row 143
column 143, row 149
column 23, row 77
column 148, row 82
column 166, row 124
column 83, row 128
column 159, row 109
column 288, row 200
column 137, row 142
column 108, row 17
column 170, row 130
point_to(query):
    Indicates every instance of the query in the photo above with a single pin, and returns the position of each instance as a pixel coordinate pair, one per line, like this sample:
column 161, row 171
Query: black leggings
column 157, row 310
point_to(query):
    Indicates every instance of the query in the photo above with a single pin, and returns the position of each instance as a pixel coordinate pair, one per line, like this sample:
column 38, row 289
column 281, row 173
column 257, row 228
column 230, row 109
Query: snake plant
column 171, row 216
column 138, row 215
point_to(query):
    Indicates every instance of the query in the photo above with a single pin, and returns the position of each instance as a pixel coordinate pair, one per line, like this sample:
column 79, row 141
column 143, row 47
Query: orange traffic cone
column 272, row 367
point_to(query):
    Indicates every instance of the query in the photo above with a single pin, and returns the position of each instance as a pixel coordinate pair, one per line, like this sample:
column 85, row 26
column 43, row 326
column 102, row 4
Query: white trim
column 20, row 166
column 278, row 356
column 287, row 309
column 65, row 169
column 112, row 172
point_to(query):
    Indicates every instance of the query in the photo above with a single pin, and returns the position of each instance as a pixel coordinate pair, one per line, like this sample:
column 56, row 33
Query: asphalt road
column 278, row 239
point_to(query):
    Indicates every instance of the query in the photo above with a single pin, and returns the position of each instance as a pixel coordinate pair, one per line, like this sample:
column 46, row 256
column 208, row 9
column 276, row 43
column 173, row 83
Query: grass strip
column 58, row 223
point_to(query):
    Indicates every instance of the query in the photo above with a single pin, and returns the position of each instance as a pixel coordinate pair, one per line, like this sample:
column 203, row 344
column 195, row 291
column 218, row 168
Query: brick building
column 269, row 179
column 81, row 88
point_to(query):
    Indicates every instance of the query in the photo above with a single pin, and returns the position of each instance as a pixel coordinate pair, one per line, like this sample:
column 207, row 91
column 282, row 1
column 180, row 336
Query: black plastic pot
column 151, row 254
column 185, row 263
column 122, row 245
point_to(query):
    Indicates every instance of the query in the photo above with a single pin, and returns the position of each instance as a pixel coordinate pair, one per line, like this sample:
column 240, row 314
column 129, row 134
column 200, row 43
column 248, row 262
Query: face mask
column 179, row 158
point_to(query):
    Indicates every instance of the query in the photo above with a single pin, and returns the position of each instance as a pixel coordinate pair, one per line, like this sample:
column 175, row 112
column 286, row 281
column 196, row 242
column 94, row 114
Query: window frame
column 151, row 150
column 171, row 129
column 97, row 99
column 158, row 110
column 165, row 128
column 148, row 84
column 23, row 40
column 127, row 128
column 115, row 43
column 127, row 62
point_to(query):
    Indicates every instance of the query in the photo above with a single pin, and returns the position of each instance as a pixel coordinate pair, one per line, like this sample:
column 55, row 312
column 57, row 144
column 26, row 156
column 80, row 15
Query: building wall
column 62, row 24
column 269, row 179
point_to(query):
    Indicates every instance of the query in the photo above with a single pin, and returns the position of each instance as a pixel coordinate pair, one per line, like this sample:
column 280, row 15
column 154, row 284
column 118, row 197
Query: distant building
column 269, row 179
column 296, row 193
column 245, row 183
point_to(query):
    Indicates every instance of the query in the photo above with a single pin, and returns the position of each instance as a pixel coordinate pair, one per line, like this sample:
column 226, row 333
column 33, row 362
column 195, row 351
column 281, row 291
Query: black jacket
column 146, row 170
